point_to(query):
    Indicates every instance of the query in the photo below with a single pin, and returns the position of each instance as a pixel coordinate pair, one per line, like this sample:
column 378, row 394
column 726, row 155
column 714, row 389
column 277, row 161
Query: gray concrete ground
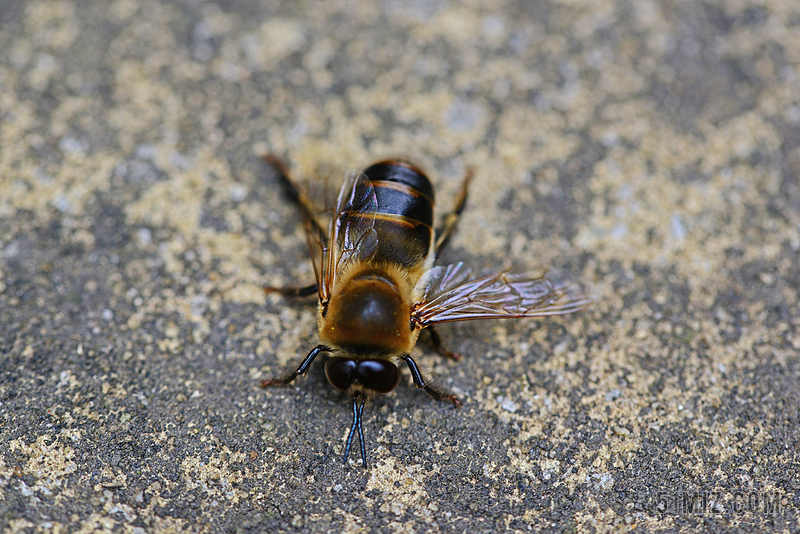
column 651, row 149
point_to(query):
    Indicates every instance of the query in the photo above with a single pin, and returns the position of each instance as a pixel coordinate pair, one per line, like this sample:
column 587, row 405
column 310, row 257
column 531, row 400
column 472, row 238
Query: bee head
column 378, row 375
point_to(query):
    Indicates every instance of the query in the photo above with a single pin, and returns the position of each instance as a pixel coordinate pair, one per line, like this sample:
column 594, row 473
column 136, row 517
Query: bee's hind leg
column 306, row 209
column 451, row 221
column 295, row 193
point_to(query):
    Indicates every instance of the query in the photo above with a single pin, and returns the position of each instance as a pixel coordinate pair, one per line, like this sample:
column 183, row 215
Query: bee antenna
column 357, row 411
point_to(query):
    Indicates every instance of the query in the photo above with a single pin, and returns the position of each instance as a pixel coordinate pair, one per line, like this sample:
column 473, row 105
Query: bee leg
column 302, row 369
column 357, row 426
column 307, row 211
column 451, row 221
column 284, row 176
column 292, row 291
column 436, row 344
column 434, row 390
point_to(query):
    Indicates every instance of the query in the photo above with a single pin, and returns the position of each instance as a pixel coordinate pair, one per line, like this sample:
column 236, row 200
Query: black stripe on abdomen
column 398, row 177
column 404, row 219
column 401, row 172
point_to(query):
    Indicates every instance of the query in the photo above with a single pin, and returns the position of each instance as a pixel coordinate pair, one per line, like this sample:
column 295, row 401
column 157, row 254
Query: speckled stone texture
column 651, row 149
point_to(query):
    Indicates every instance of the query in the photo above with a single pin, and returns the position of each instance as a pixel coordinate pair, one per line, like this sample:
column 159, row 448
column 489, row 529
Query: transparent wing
column 318, row 246
column 448, row 294
column 352, row 235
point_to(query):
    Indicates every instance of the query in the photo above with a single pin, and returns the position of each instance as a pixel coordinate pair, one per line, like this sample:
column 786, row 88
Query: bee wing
column 449, row 294
column 318, row 246
column 351, row 235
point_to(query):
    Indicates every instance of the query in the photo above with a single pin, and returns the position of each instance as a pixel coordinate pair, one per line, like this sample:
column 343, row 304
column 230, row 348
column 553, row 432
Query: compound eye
column 379, row 375
column 340, row 372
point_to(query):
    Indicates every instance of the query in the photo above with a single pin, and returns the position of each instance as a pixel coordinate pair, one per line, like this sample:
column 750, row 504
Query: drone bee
column 378, row 287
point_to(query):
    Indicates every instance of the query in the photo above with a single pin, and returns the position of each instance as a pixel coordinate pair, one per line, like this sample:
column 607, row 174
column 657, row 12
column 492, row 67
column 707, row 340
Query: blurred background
column 650, row 149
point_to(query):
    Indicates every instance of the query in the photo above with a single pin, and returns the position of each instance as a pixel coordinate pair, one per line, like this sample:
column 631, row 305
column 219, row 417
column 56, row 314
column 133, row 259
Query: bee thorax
column 368, row 315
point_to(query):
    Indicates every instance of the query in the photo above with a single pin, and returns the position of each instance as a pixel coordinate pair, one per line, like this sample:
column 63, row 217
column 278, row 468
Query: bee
column 378, row 287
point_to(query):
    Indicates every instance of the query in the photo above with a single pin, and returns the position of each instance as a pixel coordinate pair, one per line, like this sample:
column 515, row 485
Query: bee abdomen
column 404, row 218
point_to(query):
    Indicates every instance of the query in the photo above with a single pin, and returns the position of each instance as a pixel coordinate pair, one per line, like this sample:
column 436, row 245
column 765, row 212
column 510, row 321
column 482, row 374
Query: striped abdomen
column 404, row 218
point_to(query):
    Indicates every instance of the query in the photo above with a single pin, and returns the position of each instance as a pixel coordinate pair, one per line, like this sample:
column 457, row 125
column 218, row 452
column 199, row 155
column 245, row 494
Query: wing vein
column 450, row 295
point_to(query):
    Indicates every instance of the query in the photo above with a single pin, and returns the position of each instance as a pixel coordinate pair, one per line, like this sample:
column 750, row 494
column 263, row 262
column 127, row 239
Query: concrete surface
column 651, row 149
